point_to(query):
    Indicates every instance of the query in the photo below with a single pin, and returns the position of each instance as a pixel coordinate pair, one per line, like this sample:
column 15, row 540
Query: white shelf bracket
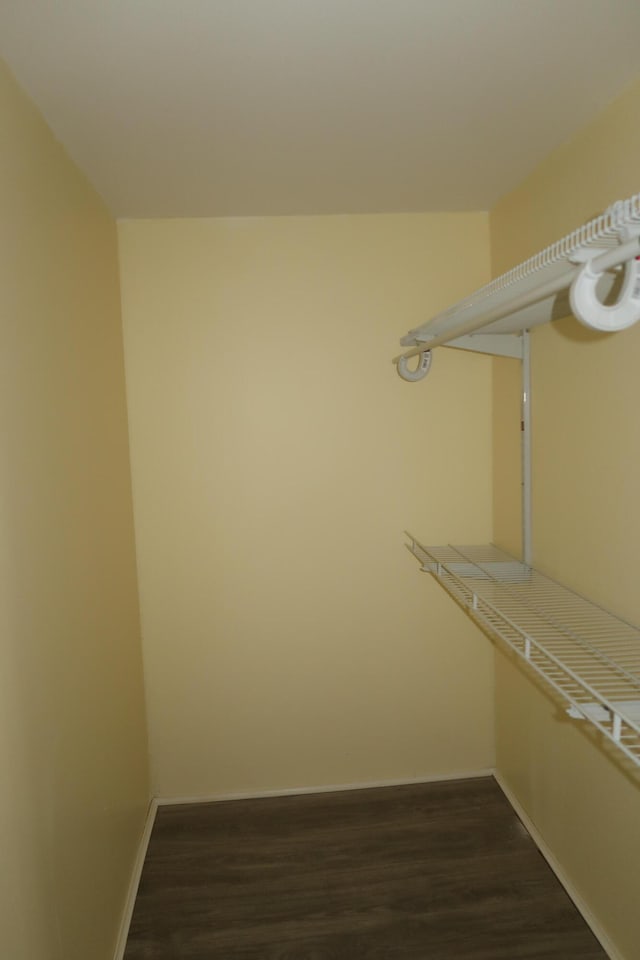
column 494, row 344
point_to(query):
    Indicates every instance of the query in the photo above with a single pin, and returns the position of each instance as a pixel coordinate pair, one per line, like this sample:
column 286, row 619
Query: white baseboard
column 134, row 882
column 332, row 788
column 605, row 941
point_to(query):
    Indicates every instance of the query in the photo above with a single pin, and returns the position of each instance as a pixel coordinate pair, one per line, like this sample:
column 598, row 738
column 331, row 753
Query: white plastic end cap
column 424, row 365
column 591, row 312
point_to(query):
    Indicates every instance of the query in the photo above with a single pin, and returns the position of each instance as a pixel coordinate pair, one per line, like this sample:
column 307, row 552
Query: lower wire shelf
column 588, row 656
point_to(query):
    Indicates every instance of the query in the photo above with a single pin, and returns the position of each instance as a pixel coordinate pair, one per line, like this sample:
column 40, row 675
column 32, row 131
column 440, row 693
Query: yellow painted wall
column 289, row 638
column 72, row 730
column 507, row 455
column 586, row 478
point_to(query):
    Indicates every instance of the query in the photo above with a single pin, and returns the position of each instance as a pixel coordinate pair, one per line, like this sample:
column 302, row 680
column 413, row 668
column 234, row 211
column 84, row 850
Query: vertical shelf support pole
column 617, row 727
column 527, row 552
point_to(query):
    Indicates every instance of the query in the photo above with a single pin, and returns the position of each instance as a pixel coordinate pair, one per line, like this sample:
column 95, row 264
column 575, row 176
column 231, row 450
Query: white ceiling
column 240, row 107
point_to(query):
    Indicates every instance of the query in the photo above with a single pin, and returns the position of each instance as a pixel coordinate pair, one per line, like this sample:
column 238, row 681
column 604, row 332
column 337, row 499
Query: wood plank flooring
column 428, row 872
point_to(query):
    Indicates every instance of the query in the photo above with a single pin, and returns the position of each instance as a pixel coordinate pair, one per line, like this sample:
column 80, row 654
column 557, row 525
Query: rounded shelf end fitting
column 420, row 372
column 589, row 309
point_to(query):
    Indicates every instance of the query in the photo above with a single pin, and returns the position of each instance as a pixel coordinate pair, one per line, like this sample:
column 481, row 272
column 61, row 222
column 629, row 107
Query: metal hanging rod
column 532, row 292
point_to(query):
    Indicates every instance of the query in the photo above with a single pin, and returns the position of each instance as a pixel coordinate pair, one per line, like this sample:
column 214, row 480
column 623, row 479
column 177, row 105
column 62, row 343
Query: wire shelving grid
column 588, row 656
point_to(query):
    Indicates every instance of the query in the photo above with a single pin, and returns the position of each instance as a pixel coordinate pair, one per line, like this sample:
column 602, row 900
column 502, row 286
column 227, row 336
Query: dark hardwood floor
column 425, row 872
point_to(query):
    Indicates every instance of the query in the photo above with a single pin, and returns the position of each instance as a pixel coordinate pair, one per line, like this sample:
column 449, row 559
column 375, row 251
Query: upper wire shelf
column 576, row 274
column 588, row 656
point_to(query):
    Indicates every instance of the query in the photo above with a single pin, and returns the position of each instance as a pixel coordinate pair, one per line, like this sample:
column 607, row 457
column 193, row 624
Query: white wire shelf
column 578, row 274
column 588, row 656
